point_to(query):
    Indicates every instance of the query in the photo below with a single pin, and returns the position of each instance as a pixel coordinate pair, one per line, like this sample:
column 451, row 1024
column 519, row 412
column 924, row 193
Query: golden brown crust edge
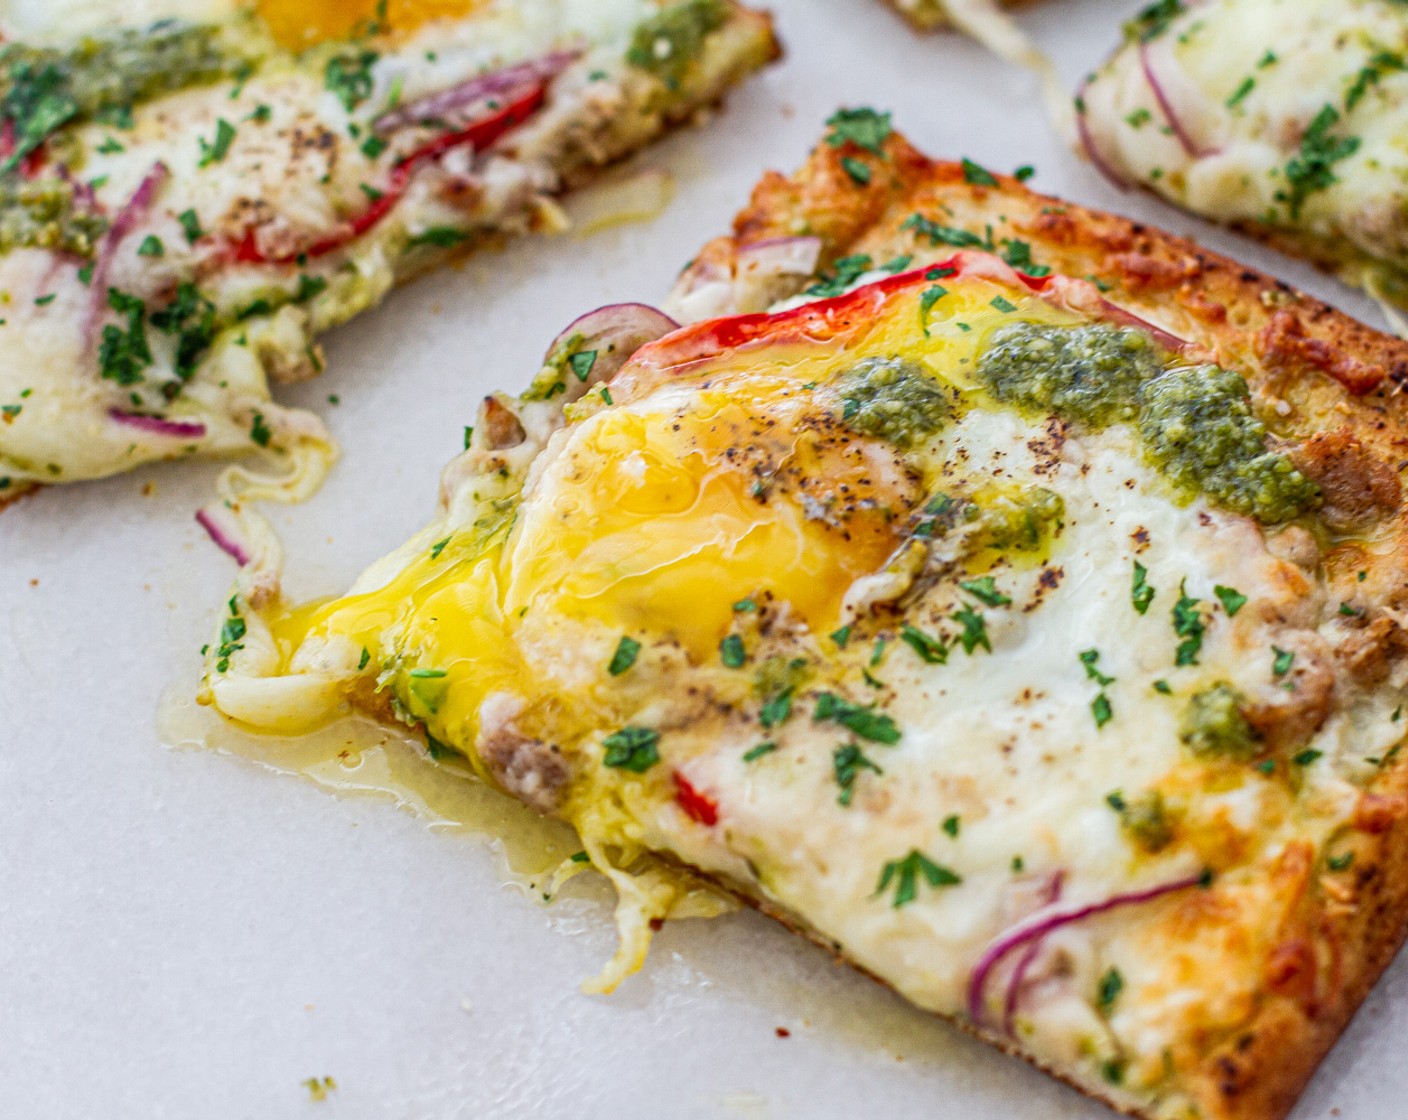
column 1338, row 374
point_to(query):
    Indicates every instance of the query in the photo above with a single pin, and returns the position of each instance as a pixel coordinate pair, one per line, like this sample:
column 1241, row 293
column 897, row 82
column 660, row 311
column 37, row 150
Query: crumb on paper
column 319, row 1087
column 465, row 1005
column 782, row 1032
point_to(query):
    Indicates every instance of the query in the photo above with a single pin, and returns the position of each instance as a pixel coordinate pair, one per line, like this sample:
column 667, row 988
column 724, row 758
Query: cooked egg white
column 1217, row 107
column 238, row 217
column 643, row 618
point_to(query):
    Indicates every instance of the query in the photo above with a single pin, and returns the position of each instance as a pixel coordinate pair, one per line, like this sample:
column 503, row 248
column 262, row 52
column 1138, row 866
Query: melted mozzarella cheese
column 1213, row 113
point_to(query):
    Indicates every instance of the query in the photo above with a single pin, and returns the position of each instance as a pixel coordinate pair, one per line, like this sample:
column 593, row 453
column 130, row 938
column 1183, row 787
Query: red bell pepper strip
column 696, row 805
column 480, row 134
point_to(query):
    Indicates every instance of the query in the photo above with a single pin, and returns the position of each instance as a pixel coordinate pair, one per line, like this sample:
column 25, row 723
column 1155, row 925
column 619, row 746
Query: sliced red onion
column 1019, row 974
column 1085, row 298
column 615, row 332
column 1184, row 137
column 1087, row 143
column 1045, row 922
column 158, row 425
column 476, row 89
column 136, row 208
column 782, row 256
column 226, row 538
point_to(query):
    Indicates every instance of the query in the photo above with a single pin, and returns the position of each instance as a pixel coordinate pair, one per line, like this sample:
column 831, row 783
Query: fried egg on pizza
column 1003, row 595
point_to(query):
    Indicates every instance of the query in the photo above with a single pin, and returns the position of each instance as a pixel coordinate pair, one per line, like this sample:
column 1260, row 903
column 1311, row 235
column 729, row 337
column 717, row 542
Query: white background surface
column 185, row 934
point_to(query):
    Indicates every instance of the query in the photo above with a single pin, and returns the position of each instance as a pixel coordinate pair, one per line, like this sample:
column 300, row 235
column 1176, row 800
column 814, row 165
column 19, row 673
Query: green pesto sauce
column 1089, row 375
column 1196, row 424
column 1022, row 522
column 1146, row 821
column 891, row 399
column 1198, row 429
column 42, row 89
column 1213, row 724
column 668, row 43
column 41, row 214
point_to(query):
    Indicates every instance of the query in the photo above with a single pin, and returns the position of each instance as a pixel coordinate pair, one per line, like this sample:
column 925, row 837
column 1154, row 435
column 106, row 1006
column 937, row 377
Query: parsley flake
column 1231, row 599
column 631, row 748
column 905, row 874
column 627, row 649
column 864, row 127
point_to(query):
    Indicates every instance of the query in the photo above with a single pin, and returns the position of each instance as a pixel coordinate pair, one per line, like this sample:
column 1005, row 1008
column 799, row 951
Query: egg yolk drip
column 298, row 24
column 740, row 479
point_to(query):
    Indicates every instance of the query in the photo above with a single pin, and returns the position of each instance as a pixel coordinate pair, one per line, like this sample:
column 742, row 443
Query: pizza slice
column 1282, row 119
column 186, row 205
column 1001, row 594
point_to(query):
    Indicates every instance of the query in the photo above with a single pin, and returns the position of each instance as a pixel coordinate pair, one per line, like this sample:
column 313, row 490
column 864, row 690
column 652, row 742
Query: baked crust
column 1318, row 375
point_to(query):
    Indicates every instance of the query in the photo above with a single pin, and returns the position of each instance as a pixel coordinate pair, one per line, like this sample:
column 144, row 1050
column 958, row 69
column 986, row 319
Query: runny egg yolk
column 659, row 521
column 297, row 24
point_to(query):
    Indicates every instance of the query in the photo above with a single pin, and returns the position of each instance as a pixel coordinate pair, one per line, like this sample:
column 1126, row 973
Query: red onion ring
column 1184, row 137
column 615, row 332
column 224, row 540
column 434, row 105
column 1087, row 143
column 135, row 209
column 1019, row 974
column 1041, row 924
column 159, row 425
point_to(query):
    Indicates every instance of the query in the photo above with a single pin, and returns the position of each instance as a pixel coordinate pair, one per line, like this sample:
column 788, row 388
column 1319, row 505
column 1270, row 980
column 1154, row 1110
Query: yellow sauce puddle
column 355, row 756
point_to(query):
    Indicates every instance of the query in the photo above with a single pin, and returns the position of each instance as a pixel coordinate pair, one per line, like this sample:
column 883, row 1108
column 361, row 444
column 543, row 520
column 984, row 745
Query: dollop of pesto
column 43, row 214
column 1146, row 820
column 1090, row 375
column 1213, row 724
column 668, row 43
column 1024, row 521
column 1196, row 423
column 893, row 400
column 42, row 89
column 1198, row 429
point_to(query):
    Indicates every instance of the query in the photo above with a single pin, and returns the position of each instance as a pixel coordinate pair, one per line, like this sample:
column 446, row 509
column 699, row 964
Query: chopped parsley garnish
column 627, row 650
column 841, row 636
column 927, row 300
column 439, row 546
column 1164, row 687
column 190, row 225
column 862, row 127
column 865, row 722
column 582, row 363
column 110, row 146
column 1340, row 862
column 1090, row 659
column 366, row 657
column 631, row 748
column 1019, row 255
column 372, row 193
column 975, row 630
column 1307, row 756
column 231, row 635
column 1102, row 711
column 349, row 76
column 1231, row 599
column 1189, row 626
column 1283, row 662
column 191, row 318
column 1111, row 984
column 1003, row 304
column 755, row 753
column 373, row 146
column 845, row 272
column 985, row 591
column 944, row 235
column 1313, row 168
column 309, row 287
column 905, row 874
column 745, row 606
column 776, row 709
column 731, row 652
column 977, row 175
column 929, row 649
column 216, row 150
column 44, row 301
column 1115, row 800
column 151, row 246
column 847, row 762
column 441, row 237
column 1023, row 173
column 124, row 354
column 952, row 824
column 260, row 432
column 1141, row 593
column 1247, row 85
column 858, row 170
